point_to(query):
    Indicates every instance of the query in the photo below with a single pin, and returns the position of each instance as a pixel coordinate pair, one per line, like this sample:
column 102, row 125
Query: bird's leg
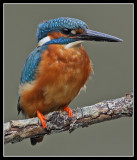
column 42, row 118
column 67, row 109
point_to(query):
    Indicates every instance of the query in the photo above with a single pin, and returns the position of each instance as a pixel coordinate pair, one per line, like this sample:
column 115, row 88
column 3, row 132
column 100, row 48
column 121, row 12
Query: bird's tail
column 34, row 141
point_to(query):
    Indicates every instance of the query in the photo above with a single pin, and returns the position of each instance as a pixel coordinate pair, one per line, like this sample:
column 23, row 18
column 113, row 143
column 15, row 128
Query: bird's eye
column 66, row 31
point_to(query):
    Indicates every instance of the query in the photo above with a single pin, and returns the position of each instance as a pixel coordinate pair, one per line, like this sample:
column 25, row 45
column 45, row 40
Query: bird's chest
column 62, row 73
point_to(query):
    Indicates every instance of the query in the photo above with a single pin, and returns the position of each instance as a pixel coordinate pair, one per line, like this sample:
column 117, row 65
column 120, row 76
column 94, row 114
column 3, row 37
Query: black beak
column 91, row 35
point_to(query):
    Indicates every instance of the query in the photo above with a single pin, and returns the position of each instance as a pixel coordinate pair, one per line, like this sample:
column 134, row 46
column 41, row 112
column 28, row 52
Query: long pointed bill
column 91, row 35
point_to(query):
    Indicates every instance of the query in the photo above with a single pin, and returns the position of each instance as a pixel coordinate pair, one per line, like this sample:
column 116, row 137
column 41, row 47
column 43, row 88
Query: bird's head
column 65, row 30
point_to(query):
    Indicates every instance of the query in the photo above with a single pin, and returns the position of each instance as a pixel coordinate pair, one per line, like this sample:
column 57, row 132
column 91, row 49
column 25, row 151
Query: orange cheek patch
column 55, row 35
column 79, row 31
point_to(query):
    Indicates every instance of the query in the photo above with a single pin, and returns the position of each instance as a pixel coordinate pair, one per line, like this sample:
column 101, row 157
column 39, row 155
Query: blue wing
column 29, row 69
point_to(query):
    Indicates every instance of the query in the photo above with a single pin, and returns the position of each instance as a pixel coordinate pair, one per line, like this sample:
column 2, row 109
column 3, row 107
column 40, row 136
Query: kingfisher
column 57, row 69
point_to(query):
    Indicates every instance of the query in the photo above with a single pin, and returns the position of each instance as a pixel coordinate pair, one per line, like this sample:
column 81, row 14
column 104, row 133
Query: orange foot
column 67, row 109
column 42, row 118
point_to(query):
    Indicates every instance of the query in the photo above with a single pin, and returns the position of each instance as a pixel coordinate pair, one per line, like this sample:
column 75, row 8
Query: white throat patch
column 73, row 44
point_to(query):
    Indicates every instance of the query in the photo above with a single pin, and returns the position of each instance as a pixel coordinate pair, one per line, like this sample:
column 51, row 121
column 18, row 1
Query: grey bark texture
column 17, row 130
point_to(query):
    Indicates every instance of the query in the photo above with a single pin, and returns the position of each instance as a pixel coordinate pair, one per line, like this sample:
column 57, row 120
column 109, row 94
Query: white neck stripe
column 43, row 40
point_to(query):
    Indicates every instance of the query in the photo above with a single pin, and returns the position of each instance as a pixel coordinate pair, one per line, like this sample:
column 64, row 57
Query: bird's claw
column 42, row 119
column 68, row 110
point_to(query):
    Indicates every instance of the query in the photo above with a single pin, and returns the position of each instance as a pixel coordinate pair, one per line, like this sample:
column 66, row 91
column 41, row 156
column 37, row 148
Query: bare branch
column 17, row 130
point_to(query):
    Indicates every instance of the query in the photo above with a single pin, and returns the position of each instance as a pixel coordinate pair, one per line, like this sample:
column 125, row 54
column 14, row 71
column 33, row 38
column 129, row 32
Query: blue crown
column 57, row 25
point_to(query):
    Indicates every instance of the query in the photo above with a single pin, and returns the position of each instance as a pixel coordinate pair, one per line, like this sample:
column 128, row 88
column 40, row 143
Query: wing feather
column 29, row 69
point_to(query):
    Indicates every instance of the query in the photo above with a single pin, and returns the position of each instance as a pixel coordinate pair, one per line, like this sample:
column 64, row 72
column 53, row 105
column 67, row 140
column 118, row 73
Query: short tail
column 34, row 141
column 19, row 107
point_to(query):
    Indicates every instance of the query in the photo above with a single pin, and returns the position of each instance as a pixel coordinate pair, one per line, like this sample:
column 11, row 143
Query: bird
column 57, row 69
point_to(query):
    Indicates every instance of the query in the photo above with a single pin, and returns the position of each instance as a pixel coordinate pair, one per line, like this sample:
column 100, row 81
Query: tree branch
column 17, row 130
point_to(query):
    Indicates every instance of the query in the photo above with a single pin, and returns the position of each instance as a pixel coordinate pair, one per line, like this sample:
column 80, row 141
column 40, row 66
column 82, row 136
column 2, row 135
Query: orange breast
column 61, row 74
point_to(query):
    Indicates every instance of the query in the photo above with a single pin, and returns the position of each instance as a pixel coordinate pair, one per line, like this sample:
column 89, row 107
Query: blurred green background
column 113, row 76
